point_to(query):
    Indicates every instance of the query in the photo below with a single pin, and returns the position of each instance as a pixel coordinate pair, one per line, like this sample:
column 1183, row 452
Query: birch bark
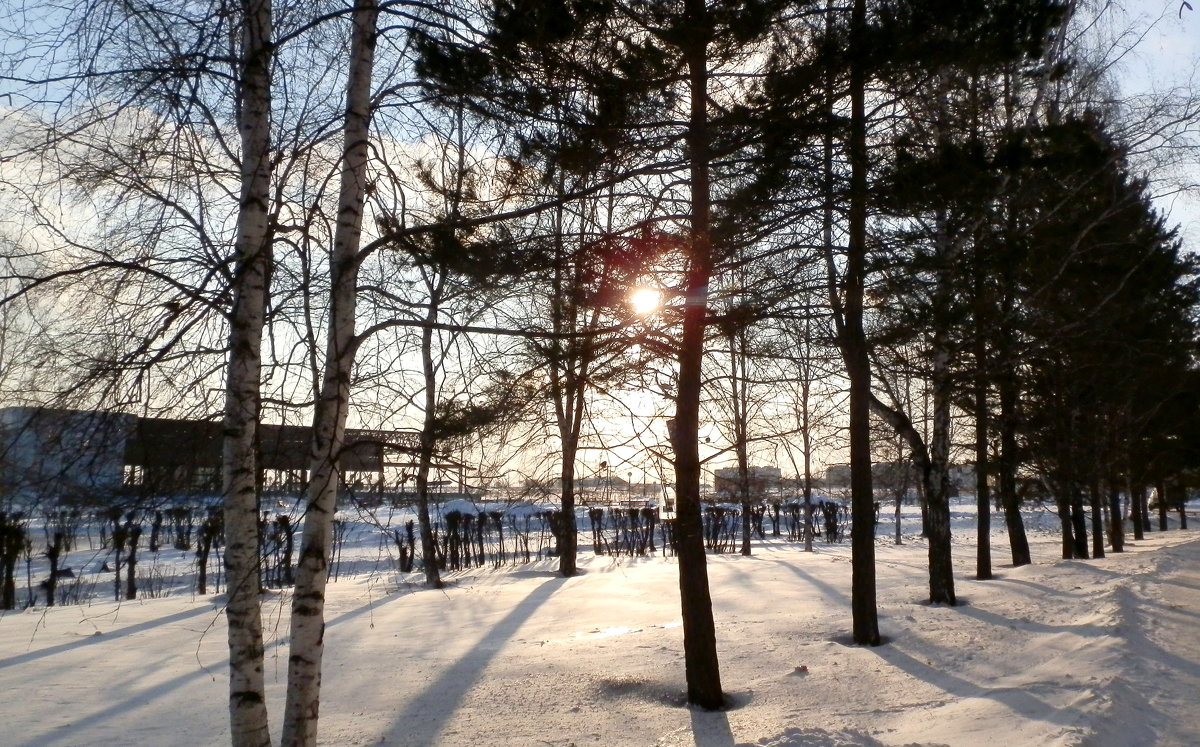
column 329, row 420
column 247, row 702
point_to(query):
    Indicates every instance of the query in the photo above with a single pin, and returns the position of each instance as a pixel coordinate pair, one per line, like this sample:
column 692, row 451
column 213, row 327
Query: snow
column 1101, row 652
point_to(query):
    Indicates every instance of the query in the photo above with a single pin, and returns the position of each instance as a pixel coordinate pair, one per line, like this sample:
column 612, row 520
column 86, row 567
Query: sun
column 645, row 300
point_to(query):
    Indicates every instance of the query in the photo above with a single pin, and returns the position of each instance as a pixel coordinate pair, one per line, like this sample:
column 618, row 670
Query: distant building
column 69, row 453
column 87, row 456
column 893, row 476
column 962, row 476
column 762, row 480
column 837, row 475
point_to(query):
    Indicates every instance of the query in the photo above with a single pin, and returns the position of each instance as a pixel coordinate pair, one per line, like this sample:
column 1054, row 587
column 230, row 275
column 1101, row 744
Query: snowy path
column 1159, row 683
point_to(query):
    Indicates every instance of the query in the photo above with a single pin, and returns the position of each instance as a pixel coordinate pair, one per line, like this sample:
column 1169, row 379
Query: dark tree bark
column 1079, row 540
column 134, row 532
column 983, row 495
column 1116, row 521
column 428, row 443
column 1096, row 501
column 1014, row 523
column 699, row 629
column 1160, row 488
column 1137, row 494
column 863, row 605
column 53, row 555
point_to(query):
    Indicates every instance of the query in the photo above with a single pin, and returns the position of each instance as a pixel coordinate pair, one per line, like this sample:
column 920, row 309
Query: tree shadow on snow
column 1084, row 630
column 828, row 590
column 711, row 728
column 427, row 714
column 1015, row 698
column 795, row 737
column 104, row 638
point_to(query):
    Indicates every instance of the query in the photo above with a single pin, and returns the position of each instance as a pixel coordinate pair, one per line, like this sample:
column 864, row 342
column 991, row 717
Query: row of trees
column 436, row 213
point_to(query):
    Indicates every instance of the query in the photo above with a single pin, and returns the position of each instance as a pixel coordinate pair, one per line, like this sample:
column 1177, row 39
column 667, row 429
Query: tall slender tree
column 247, row 698
column 329, row 419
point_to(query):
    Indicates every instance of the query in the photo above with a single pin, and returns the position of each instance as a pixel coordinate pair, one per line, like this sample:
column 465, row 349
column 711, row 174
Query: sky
column 1166, row 58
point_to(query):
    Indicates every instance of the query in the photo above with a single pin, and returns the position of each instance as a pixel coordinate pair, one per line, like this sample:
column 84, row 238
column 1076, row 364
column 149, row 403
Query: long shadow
column 103, row 638
column 1180, row 582
column 1135, row 633
column 428, row 713
column 992, row 618
column 121, row 707
column 1014, row 698
column 1045, row 590
column 744, row 577
column 711, row 729
column 819, row 738
column 372, row 605
column 825, row 588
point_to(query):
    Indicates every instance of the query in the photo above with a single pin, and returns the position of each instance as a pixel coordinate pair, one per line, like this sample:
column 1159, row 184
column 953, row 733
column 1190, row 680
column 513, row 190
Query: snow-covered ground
column 1100, row 652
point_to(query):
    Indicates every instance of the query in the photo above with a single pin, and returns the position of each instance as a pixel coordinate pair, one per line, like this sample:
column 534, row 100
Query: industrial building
column 90, row 457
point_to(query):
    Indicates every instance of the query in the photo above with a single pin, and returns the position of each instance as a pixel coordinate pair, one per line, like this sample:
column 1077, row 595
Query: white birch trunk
column 247, row 702
column 329, row 420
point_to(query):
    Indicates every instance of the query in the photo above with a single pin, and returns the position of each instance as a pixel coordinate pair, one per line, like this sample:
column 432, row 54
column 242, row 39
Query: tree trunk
column 570, row 367
column 1160, row 488
column 568, row 427
column 1062, row 505
column 806, row 438
column 899, row 538
column 1017, row 541
column 737, row 381
column 247, row 700
column 570, row 402
column 429, row 556
column 983, row 497
column 808, row 504
column 1136, row 495
column 699, row 629
column 1144, row 504
column 941, row 567
column 134, row 534
column 568, row 542
column 53, row 553
column 1079, row 547
column 1097, row 505
column 307, row 648
column 1116, row 518
column 863, row 605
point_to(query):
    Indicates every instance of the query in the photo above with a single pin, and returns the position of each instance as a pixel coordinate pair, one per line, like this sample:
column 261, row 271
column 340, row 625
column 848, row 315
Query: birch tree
column 247, row 698
column 329, row 419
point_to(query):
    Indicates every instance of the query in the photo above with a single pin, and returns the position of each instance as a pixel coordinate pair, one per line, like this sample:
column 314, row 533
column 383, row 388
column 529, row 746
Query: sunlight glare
column 645, row 300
